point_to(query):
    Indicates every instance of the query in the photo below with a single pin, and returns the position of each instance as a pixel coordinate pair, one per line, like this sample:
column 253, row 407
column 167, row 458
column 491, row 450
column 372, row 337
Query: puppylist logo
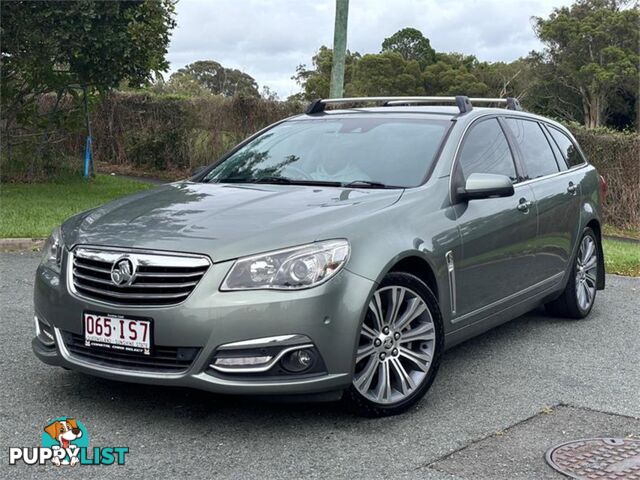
column 65, row 441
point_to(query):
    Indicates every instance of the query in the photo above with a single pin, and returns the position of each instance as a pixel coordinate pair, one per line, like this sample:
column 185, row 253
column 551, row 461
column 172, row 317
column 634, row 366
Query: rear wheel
column 399, row 348
column 580, row 293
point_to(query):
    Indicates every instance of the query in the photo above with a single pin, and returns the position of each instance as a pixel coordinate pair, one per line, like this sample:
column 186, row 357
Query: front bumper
column 328, row 315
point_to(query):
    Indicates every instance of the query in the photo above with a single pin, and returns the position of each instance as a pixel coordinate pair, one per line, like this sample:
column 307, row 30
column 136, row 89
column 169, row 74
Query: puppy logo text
column 65, row 442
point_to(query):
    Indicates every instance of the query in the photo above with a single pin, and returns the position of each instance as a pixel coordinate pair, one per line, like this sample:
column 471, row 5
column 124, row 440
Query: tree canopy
column 411, row 44
column 216, row 79
column 587, row 72
column 49, row 46
column 316, row 80
column 591, row 50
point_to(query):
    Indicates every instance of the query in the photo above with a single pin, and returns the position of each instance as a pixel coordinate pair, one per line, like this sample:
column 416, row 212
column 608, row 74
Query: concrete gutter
column 622, row 239
column 21, row 244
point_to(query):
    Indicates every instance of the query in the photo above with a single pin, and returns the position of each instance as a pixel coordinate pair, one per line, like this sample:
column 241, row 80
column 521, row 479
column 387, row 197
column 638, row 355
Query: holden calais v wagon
column 335, row 254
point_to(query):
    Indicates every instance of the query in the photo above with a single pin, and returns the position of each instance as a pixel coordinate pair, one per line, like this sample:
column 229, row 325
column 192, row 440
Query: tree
column 411, row 45
column 315, row 82
column 217, row 79
column 592, row 50
column 52, row 46
column 269, row 94
column 547, row 95
column 63, row 48
column 506, row 79
column 386, row 74
column 452, row 74
column 181, row 84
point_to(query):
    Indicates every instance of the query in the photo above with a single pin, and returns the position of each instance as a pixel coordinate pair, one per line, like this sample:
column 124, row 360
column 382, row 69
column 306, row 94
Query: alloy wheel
column 396, row 348
column 586, row 272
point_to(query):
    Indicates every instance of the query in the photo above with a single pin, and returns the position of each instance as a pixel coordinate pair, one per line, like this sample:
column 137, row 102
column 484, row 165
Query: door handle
column 524, row 205
column 572, row 188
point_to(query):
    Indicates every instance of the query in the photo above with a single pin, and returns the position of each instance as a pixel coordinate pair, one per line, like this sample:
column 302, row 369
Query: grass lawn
column 622, row 258
column 32, row 210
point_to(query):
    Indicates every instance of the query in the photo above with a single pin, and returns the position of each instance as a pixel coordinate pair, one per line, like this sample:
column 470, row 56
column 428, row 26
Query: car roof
column 432, row 112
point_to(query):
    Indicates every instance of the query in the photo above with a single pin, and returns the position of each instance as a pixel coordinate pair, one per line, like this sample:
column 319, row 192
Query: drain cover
column 597, row 458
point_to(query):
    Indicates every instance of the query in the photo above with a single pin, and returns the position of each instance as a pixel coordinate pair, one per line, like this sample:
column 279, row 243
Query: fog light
column 242, row 361
column 298, row 360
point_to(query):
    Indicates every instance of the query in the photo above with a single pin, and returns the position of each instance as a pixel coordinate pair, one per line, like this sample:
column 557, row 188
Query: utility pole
column 339, row 48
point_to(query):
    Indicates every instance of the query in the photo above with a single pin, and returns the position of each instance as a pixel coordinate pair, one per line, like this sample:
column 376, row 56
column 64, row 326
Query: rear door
column 497, row 234
column 556, row 190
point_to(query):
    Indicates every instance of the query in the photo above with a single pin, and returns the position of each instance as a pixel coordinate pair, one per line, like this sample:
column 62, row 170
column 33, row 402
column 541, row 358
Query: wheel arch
column 418, row 263
column 419, row 267
column 594, row 225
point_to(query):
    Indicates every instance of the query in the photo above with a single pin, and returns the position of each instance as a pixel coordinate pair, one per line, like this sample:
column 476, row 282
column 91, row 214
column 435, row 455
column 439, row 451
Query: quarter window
column 485, row 150
column 568, row 149
column 536, row 152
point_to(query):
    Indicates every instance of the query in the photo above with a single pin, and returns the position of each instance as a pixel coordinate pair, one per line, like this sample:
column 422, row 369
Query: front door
column 498, row 234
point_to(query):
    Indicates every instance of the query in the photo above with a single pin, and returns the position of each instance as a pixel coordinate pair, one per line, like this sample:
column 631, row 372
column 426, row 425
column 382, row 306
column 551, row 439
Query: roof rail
column 464, row 103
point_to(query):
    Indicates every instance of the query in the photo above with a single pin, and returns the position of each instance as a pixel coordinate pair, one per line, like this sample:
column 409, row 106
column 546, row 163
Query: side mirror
column 486, row 185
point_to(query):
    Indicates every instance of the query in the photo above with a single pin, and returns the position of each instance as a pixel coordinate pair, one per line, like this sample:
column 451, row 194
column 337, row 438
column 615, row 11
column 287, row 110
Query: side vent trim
column 451, row 270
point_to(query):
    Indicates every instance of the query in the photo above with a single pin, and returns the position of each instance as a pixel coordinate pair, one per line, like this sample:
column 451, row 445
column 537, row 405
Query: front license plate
column 117, row 333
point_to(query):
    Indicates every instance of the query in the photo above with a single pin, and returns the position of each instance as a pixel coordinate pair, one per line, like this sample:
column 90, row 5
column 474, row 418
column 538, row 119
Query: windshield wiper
column 267, row 179
column 270, row 179
column 367, row 183
column 279, row 180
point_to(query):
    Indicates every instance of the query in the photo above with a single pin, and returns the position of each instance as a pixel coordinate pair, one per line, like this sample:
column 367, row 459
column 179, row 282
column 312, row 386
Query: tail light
column 604, row 189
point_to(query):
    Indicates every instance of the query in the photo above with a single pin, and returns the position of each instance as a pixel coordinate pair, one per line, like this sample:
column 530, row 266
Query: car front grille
column 158, row 279
column 162, row 359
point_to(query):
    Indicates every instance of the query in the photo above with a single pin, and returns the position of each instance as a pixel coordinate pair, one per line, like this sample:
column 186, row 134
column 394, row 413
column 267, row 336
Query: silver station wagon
column 335, row 254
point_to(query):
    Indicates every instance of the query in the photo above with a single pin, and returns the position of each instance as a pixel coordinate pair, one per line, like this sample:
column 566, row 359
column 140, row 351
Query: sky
column 268, row 38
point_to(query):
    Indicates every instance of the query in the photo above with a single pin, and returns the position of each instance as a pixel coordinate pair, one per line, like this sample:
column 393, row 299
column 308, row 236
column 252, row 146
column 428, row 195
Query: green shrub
column 616, row 155
column 172, row 132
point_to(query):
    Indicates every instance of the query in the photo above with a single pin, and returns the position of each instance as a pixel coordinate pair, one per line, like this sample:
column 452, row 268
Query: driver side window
column 485, row 150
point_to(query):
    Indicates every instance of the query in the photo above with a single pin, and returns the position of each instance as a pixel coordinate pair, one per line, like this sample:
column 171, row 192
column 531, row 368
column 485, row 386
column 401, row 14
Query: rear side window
column 485, row 150
column 567, row 147
column 536, row 152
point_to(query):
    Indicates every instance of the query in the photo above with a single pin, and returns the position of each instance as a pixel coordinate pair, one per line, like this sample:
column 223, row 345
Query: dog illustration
column 64, row 432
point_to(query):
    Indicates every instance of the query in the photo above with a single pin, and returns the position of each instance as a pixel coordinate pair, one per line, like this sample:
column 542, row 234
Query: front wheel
column 399, row 348
column 579, row 295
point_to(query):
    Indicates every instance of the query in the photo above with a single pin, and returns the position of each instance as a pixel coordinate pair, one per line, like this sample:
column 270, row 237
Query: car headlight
column 289, row 269
column 52, row 250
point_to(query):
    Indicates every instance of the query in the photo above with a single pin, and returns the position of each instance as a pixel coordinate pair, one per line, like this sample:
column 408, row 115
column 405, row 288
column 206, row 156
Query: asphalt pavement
column 499, row 401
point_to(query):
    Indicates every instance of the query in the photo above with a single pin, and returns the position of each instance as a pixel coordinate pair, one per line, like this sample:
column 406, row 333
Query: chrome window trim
column 557, row 174
column 146, row 254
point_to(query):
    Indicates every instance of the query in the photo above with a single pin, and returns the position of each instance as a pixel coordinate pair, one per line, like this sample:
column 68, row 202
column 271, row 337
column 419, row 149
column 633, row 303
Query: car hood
column 226, row 221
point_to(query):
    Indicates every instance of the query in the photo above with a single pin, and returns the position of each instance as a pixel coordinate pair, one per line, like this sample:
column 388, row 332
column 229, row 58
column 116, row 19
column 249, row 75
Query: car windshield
column 361, row 151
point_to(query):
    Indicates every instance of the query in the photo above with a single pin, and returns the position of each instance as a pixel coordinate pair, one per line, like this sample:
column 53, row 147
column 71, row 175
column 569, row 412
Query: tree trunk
column 592, row 107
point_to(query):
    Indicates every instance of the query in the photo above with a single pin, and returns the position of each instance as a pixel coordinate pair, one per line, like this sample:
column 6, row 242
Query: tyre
column 399, row 348
column 579, row 295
